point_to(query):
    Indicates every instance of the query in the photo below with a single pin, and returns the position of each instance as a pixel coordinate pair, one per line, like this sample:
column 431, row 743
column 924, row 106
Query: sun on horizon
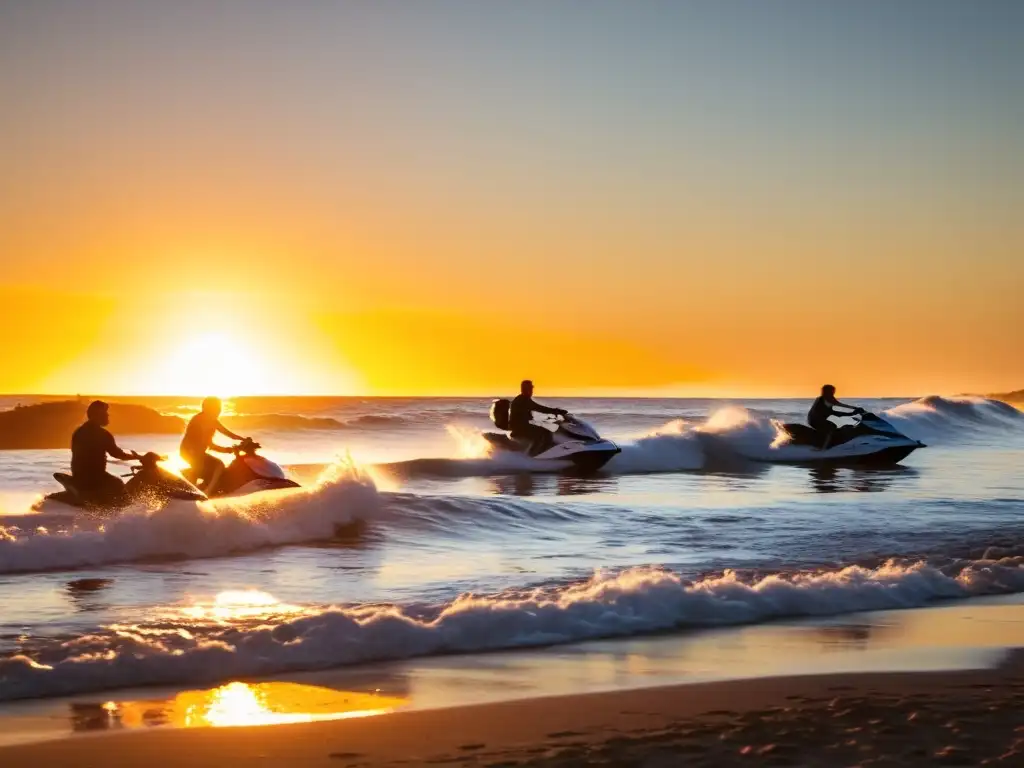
column 217, row 363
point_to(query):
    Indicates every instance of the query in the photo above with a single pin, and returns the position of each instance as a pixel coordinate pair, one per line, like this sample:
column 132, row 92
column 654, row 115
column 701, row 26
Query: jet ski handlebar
column 145, row 461
column 247, row 445
column 564, row 416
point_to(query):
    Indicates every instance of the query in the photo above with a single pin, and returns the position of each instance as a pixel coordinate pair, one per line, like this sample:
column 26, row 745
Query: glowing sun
column 218, row 363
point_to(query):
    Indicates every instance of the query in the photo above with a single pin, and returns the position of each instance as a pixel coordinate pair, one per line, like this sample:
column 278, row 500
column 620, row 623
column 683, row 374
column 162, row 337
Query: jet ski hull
column 258, row 485
column 64, row 497
column 883, row 457
column 871, row 442
column 149, row 484
column 250, row 473
column 578, row 455
column 592, row 461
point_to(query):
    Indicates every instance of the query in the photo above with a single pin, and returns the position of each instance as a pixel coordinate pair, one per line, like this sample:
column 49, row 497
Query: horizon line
column 554, row 396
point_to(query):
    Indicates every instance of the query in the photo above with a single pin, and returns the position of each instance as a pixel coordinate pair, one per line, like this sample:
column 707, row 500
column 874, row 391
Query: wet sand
column 947, row 718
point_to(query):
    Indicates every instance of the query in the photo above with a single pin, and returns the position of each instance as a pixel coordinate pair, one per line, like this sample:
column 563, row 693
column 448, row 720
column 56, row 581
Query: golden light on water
column 250, row 704
column 174, row 463
column 235, row 604
column 470, row 442
column 239, row 704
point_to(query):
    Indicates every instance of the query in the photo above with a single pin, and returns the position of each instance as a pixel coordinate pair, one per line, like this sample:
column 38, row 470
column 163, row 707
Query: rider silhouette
column 204, row 469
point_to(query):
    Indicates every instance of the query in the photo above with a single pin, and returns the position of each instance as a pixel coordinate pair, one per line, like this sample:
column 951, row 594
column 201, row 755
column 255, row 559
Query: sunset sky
column 735, row 198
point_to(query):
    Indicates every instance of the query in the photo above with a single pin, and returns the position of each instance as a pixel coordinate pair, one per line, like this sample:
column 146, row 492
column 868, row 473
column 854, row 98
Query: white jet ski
column 869, row 440
column 572, row 440
column 250, row 472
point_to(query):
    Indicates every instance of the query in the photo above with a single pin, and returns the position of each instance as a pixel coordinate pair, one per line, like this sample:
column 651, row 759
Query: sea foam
column 629, row 602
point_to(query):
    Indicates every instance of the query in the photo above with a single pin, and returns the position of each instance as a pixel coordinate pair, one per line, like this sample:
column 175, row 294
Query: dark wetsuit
column 90, row 445
column 817, row 417
column 197, row 441
column 520, row 414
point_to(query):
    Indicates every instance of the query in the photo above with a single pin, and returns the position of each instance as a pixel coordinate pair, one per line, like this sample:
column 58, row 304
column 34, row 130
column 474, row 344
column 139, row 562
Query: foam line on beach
column 630, row 602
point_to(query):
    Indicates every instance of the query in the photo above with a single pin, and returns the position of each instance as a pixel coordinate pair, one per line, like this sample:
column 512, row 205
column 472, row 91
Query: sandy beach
column 948, row 718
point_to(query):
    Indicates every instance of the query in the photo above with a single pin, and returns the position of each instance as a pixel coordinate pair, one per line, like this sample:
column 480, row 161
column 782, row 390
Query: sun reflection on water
column 249, row 704
column 239, row 704
column 233, row 605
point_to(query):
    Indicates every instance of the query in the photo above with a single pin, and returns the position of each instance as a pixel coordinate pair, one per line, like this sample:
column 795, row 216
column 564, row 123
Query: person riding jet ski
column 566, row 442
column 205, row 470
column 520, row 419
column 869, row 441
column 824, row 407
column 91, row 443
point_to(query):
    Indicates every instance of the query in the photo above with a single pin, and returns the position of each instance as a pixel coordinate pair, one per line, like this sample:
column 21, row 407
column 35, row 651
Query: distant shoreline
column 49, row 424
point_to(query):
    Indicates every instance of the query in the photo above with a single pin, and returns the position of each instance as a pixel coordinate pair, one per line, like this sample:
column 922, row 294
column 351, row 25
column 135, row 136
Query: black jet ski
column 574, row 442
column 149, row 483
column 249, row 472
column 870, row 440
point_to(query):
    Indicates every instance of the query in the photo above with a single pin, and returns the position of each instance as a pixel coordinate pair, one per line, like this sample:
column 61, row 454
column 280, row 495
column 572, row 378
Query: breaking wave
column 377, row 420
column 942, row 418
column 281, row 421
column 183, row 529
column 290, row 421
column 188, row 650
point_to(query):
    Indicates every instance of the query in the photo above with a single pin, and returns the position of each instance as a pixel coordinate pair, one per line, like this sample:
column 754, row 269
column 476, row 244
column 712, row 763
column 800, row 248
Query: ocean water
column 456, row 551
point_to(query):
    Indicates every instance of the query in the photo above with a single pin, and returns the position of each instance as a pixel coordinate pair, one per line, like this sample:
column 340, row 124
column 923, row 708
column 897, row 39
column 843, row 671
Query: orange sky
column 378, row 200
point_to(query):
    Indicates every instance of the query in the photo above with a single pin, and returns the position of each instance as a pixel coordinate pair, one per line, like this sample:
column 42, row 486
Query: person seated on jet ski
column 520, row 417
column 823, row 407
column 204, row 469
column 90, row 445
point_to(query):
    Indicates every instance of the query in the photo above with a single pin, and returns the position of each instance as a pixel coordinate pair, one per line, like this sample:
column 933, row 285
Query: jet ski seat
column 500, row 412
column 523, row 444
column 801, row 434
column 69, row 485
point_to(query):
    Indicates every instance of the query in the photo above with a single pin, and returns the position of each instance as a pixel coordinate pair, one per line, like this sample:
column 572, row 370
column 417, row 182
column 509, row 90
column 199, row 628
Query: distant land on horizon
column 50, row 424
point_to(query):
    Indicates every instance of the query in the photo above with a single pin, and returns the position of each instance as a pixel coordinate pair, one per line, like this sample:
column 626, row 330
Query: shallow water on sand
column 963, row 635
column 203, row 593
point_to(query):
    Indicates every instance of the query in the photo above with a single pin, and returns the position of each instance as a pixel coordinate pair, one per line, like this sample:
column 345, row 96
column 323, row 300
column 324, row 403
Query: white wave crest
column 672, row 447
column 938, row 418
column 183, row 529
column 608, row 605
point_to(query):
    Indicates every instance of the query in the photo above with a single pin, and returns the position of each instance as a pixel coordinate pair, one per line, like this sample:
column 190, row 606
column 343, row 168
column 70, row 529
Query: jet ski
column 148, row 483
column 573, row 441
column 249, row 472
column 151, row 483
column 870, row 440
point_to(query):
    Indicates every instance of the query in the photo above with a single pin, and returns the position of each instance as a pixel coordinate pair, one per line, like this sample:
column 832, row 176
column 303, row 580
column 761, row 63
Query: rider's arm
column 535, row 406
column 116, row 452
column 221, row 448
column 836, row 404
column 225, row 431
